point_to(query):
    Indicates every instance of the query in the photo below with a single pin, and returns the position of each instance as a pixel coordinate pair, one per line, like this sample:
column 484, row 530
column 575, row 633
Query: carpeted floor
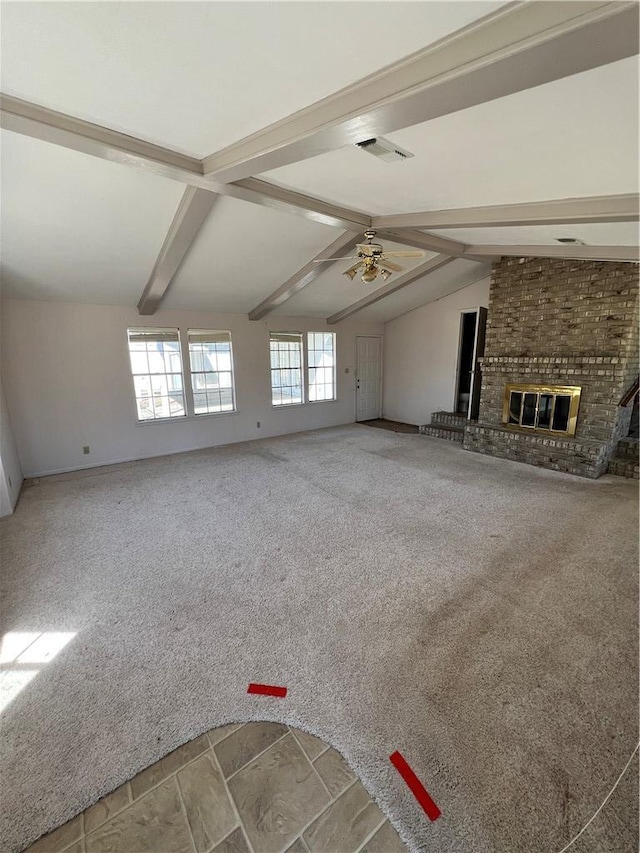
column 476, row 614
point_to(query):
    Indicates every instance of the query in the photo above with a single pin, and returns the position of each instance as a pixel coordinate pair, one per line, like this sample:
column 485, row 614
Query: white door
column 368, row 375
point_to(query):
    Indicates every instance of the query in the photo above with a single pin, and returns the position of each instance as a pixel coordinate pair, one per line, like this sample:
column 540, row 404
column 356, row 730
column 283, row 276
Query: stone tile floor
column 253, row 788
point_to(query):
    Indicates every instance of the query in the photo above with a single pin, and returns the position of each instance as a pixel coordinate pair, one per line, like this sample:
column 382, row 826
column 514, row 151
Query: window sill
column 189, row 418
column 301, row 405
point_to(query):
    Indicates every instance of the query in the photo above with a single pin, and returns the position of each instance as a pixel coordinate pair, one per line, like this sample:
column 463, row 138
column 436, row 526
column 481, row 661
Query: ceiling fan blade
column 347, row 258
column 384, row 264
column 418, row 253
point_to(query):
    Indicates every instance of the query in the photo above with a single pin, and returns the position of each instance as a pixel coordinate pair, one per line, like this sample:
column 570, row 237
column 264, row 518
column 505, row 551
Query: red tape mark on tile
column 267, row 690
column 417, row 788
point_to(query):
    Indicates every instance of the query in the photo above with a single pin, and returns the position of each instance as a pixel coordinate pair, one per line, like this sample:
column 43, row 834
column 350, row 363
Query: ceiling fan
column 373, row 260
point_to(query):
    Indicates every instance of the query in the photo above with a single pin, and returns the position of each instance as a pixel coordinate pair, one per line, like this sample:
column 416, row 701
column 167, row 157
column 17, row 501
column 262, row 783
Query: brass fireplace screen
column 542, row 408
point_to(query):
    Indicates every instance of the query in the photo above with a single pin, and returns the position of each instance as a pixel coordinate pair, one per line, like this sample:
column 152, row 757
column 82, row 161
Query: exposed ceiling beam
column 288, row 201
column 521, row 45
column 60, row 129
column 420, row 240
column 309, row 272
column 431, row 242
column 629, row 254
column 606, row 208
column 194, row 208
column 409, row 277
column 448, row 288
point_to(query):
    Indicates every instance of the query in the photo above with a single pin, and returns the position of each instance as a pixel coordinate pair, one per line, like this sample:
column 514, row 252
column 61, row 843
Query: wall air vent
column 384, row 150
column 570, row 241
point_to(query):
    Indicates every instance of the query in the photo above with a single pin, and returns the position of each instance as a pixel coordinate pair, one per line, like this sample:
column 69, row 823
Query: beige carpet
column 476, row 614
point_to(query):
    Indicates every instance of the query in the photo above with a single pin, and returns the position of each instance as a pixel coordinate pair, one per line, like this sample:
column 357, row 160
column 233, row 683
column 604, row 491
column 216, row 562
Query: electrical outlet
column 258, row 424
column 86, row 449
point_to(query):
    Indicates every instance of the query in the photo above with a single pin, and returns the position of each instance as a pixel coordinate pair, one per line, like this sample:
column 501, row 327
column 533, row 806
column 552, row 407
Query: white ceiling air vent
column 384, row 150
column 570, row 241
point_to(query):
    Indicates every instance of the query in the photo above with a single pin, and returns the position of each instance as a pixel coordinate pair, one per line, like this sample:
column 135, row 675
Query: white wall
column 421, row 353
column 68, row 384
column 10, row 468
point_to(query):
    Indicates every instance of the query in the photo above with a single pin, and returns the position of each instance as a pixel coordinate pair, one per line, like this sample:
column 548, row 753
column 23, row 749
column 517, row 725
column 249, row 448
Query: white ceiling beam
column 192, row 212
column 61, row 129
column 309, row 272
column 431, row 242
column 629, row 254
column 58, row 128
column 393, row 286
column 288, row 201
column 519, row 46
column 606, row 208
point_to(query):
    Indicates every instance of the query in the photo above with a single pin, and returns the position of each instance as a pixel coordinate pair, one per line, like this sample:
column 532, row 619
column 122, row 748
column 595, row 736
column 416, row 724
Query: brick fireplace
column 553, row 325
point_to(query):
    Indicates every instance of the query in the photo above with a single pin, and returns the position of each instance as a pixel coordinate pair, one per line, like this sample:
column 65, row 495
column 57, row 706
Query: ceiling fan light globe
column 369, row 275
column 385, row 274
column 351, row 274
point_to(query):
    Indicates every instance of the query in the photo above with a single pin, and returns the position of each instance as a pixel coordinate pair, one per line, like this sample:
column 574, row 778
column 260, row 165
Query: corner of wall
column 11, row 476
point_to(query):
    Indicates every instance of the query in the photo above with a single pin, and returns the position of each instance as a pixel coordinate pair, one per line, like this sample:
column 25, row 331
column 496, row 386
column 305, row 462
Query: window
column 156, row 365
column 211, row 371
column 321, row 347
column 286, row 368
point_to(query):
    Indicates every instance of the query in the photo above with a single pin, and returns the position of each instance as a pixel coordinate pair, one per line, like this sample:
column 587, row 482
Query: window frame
column 303, row 398
column 334, row 368
column 193, row 391
column 305, row 368
column 150, row 330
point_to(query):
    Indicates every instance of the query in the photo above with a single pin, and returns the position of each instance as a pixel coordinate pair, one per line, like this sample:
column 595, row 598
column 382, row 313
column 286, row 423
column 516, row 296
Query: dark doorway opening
column 467, row 346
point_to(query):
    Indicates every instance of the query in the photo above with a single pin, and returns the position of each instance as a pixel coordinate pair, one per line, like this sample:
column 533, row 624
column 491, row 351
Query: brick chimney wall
column 560, row 322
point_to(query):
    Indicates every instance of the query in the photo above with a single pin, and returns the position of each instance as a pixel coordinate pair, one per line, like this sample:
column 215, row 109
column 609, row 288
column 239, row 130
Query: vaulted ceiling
column 202, row 155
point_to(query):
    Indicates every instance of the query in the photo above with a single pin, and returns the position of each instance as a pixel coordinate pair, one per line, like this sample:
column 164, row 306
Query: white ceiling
column 242, row 254
column 593, row 234
column 199, row 76
column 78, row 228
column 574, row 137
column 332, row 291
column 455, row 276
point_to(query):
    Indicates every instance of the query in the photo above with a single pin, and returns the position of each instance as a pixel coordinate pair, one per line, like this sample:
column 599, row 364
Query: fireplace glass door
column 542, row 408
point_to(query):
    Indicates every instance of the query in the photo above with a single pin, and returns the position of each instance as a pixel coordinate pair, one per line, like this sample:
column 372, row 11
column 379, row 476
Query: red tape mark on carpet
column 417, row 788
column 267, row 690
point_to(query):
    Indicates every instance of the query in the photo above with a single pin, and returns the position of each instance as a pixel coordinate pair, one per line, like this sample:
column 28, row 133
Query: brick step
column 448, row 419
column 622, row 466
column 451, row 433
column 628, row 447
